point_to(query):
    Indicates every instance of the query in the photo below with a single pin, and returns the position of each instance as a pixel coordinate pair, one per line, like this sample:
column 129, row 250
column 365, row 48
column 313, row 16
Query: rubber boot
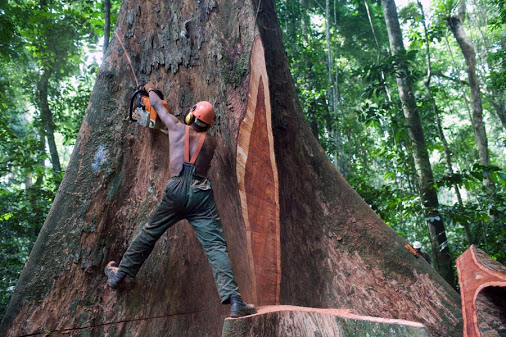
column 239, row 308
column 114, row 275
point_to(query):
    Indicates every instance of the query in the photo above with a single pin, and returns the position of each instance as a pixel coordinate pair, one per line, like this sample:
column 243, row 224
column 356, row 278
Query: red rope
column 111, row 323
column 128, row 58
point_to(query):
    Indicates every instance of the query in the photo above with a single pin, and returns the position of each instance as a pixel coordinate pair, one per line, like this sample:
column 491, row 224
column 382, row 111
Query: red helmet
column 204, row 111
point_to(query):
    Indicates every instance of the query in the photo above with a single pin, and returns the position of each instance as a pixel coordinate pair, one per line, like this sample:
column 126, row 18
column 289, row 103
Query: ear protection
column 189, row 116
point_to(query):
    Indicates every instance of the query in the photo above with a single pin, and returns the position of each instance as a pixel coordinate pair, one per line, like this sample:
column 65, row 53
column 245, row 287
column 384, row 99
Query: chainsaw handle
column 132, row 99
column 143, row 92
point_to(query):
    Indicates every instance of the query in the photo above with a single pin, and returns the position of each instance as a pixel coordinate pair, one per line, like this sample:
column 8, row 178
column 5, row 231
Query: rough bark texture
column 297, row 232
column 483, row 287
column 428, row 194
column 281, row 321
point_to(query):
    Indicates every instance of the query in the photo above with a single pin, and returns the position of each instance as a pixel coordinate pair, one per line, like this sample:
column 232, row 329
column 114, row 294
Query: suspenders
column 187, row 146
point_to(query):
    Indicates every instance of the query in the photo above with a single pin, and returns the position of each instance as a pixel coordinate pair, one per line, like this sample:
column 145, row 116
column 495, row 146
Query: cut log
column 284, row 320
column 483, row 294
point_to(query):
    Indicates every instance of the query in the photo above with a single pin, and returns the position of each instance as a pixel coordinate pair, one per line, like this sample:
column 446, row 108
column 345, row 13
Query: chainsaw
column 144, row 113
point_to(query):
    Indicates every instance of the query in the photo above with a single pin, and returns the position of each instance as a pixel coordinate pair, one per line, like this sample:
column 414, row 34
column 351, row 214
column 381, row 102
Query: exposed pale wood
column 258, row 184
column 284, row 320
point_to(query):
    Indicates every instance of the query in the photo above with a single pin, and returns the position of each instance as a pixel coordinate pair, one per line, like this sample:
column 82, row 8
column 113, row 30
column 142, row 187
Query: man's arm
column 168, row 119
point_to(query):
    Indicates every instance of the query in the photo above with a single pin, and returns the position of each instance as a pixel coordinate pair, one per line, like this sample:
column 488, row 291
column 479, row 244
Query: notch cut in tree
column 297, row 233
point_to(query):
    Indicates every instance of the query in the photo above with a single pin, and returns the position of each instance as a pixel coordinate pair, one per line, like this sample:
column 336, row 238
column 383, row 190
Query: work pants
column 187, row 197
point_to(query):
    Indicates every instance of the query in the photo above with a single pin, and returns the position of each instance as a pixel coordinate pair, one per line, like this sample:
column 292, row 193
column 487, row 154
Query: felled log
column 483, row 294
column 285, row 320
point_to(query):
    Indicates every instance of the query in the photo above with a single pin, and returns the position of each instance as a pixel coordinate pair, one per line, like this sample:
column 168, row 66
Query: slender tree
column 107, row 24
column 53, row 36
column 428, row 193
column 494, row 44
column 378, row 48
column 339, row 155
column 435, row 110
column 480, row 135
column 311, row 113
column 47, row 119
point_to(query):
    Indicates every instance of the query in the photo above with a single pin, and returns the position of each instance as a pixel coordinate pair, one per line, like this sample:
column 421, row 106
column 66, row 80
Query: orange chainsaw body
column 144, row 113
column 147, row 116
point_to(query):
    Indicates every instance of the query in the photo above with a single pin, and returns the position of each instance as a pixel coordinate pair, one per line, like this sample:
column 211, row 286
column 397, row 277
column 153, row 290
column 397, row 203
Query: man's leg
column 140, row 248
column 164, row 217
column 211, row 236
column 209, row 230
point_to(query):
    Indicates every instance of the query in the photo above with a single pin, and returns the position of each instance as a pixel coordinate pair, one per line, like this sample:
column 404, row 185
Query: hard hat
column 417, row 244
column 203, row 111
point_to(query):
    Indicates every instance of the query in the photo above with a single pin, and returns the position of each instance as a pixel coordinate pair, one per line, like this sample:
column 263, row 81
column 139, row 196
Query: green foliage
column 27, row 188
column 376, row 141
column 72, row 99
column 37, row 38
column 484, row 215
column 23, row 213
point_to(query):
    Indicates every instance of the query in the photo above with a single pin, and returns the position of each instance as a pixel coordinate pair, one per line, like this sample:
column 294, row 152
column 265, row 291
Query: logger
column 187, row 195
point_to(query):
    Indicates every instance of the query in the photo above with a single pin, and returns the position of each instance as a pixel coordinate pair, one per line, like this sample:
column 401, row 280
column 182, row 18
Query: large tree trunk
column 428, row 193
column 297, row 232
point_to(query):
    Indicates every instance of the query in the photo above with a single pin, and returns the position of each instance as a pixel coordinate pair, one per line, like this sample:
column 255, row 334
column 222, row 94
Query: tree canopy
column 375, row 144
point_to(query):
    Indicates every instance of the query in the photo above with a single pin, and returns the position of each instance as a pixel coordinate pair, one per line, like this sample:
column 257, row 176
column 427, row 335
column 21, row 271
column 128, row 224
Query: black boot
column 239, row 308
column 114, row 275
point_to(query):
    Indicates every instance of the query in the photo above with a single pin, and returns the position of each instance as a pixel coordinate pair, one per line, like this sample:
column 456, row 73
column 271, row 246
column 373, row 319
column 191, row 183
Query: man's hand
column 169, row 120
column 148, row 86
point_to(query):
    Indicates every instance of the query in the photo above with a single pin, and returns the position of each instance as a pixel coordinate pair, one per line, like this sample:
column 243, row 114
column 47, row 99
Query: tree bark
column 107, row 24
column 297, row 233
column 47, row 121
column 313, row 123
column 435, row 110
column 339, row 155
column 480, row 135
column 428, row 193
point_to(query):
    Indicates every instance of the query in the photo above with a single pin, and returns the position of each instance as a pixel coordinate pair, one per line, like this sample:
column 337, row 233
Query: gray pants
column 186, row 197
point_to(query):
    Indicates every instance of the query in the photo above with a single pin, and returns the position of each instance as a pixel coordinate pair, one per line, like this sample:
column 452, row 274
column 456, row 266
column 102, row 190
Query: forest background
column 345, row 73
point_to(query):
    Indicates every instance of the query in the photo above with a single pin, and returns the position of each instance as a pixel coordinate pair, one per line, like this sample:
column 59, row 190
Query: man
column 188, row 195
column 418, row 247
